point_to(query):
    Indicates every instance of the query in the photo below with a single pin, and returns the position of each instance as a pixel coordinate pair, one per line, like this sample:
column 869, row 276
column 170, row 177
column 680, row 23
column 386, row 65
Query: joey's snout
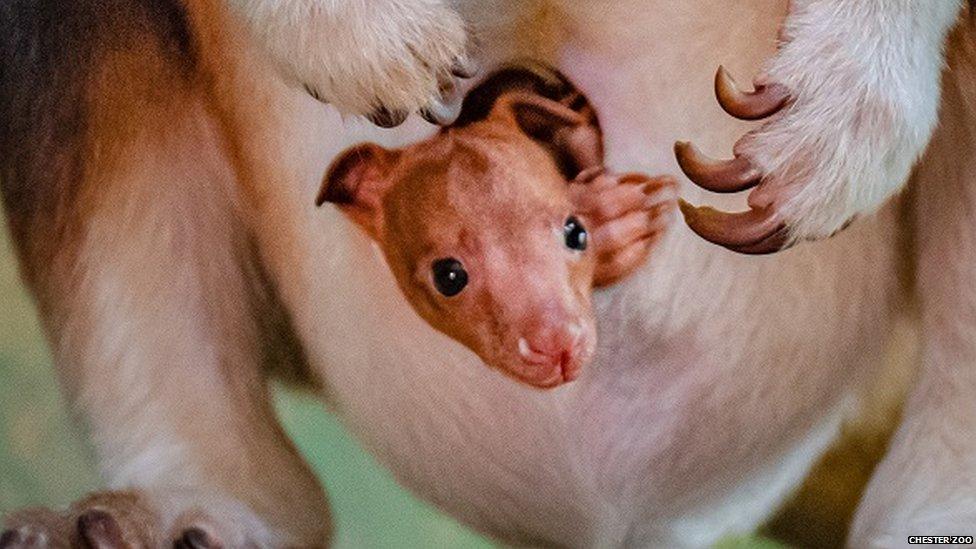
column 552, row 348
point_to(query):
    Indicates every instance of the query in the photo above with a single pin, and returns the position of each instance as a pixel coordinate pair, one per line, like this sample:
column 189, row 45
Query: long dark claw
column 99, row 530
column 385, row 118
column 314, row 93
column 750, row 232
column 761, row 102
column 465, row 68
column 776, row 242
column 11, row 539
column 720, row 176
column 445, row 110
column 195, row 538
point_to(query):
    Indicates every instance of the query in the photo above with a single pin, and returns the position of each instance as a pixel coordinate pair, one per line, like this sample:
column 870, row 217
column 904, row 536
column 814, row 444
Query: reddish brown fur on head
column 482, row 224
column 492, row 198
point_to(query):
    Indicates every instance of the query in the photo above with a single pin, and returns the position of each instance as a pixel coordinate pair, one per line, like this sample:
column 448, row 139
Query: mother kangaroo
column 159, row 162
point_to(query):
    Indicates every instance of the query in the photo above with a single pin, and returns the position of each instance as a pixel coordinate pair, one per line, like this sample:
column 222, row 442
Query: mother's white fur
column 720, row 378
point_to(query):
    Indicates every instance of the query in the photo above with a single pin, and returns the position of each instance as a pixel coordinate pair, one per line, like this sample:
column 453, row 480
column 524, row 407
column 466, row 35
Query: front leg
column 627, row 214
column 383, row 58
column 853, row 95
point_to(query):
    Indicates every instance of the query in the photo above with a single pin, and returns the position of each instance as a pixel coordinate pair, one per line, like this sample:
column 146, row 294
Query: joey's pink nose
column 555, row 347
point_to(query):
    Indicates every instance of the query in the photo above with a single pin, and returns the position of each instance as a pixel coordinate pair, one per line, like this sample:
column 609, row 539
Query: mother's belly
column 716, row 374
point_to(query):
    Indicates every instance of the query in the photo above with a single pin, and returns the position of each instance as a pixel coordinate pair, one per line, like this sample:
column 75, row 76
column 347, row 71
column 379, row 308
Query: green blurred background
column 44, row 459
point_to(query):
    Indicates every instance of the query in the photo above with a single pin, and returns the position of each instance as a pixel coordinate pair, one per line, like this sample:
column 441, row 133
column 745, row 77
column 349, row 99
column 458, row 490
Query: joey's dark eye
column 449, row 276
column 575, row 233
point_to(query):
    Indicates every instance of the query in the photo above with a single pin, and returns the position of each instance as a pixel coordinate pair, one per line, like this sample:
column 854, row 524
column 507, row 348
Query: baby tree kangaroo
column 498, row 227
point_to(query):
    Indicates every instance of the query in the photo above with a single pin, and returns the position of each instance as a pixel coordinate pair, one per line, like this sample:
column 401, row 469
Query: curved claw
column 11, row 539
column 761, row 102
column 750, row 232
column 195, row 538
column 444, row 111
column 99, row 530
column 465, row 67
column 776, row 242
column 309, row 89
column 385, row 118
column 719, row 176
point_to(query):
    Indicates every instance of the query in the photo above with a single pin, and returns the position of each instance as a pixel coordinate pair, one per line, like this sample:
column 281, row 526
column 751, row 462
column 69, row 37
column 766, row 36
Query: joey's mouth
column 544, row 371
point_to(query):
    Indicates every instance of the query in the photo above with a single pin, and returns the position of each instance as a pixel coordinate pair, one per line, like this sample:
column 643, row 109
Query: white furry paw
column 384, row 58
column 850, row 102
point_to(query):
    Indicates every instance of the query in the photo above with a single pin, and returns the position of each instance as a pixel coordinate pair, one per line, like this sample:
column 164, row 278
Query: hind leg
column 926, row 484
column 147, row 302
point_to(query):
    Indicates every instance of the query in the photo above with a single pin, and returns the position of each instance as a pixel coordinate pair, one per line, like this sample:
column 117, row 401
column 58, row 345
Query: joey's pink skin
column 489, row 199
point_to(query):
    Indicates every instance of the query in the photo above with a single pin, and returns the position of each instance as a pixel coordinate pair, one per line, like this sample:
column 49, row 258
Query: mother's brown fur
column 122, row 192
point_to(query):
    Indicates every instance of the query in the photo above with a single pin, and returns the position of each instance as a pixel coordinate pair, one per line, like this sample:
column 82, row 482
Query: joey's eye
column 449, row 276
column 575, row 233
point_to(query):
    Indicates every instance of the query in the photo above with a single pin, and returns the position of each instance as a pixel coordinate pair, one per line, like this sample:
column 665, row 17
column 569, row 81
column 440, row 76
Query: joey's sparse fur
column 499, row 198
column 159, row 161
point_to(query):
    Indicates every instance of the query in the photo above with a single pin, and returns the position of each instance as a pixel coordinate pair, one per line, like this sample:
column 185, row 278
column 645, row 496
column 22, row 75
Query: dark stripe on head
column 529, row 76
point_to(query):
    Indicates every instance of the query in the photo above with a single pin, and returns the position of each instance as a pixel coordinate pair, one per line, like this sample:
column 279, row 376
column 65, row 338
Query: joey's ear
column 357, row 181
column 573, row 136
